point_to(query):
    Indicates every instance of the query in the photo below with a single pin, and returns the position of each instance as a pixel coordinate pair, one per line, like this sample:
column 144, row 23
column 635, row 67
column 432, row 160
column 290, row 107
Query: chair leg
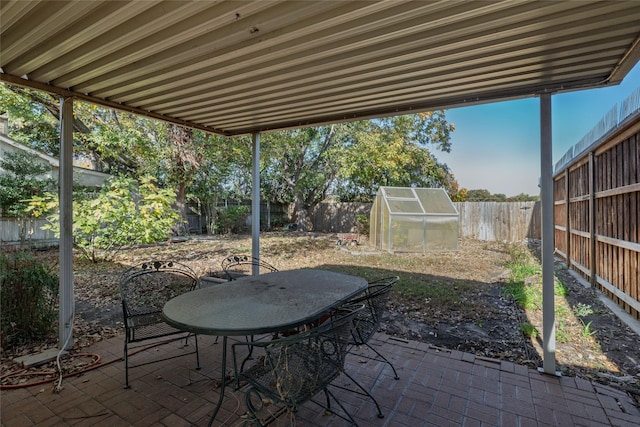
column 349, row 417
column 126, row 365
column 395, row 374
column 364, row 392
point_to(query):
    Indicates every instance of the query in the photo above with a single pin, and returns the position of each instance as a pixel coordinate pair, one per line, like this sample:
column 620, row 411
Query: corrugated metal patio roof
column 237, row 67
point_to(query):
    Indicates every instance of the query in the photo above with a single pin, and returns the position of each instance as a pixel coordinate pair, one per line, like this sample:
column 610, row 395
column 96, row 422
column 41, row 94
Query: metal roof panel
column 238, row 67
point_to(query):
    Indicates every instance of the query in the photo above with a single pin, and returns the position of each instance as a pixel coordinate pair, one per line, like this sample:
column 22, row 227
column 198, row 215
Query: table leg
column 223, row 382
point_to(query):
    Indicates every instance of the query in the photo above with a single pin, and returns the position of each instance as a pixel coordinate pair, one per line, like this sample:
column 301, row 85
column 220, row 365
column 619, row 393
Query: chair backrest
column 375, row 300
column 235, row 266
column 146, row 287
column 298, row 367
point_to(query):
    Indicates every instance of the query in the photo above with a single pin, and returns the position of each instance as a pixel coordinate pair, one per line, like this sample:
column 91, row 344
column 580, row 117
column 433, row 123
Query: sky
column 497, row 146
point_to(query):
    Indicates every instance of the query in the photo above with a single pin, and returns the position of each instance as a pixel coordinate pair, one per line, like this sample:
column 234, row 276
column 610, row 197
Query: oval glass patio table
column 261, row 304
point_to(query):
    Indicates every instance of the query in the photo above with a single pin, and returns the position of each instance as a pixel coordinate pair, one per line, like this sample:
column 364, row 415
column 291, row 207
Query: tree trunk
column 302, row 214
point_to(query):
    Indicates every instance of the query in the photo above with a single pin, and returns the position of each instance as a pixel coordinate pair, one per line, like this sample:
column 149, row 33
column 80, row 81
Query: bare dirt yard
column 450, row 299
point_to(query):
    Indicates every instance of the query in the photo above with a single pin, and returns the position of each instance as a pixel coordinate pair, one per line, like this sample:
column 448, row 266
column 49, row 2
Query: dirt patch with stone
column 468, row 309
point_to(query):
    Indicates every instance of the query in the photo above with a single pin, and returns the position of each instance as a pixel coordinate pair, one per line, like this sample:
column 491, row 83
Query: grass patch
column 529, row 330
column 525, row 280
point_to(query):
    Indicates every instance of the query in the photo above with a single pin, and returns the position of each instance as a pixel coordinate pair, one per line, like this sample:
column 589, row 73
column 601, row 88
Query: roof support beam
column 8, row 78
column 546, row 196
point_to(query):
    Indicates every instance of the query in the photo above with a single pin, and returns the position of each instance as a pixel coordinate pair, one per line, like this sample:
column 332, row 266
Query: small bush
column 528, row 330
column 362, row 223
column 29, row 292
column 232, row 219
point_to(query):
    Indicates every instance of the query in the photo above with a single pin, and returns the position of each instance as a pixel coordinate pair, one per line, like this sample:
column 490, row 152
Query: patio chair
column 295, row 369
column 144, row 289
column 368, row 320
column 366, row 323
column 235, row 266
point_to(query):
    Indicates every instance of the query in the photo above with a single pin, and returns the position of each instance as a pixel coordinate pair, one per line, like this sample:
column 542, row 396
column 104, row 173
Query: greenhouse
column 413, row 220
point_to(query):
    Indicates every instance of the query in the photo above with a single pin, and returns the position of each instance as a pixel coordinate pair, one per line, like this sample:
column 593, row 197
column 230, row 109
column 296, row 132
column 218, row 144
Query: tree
column 32, row 117
column 21, row 179
column 301, row 165
column 352, row 159
column 484, row 195
column 522, row 197
column 125, row 212
column 393, row 152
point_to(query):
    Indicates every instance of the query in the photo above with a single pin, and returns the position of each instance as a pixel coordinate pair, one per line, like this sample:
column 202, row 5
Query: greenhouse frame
column 405, row 219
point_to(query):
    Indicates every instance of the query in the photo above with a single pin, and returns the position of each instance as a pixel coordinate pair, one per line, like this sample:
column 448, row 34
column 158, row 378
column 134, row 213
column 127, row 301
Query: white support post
column 546, row 193
column 66, row 224
column 255, row 202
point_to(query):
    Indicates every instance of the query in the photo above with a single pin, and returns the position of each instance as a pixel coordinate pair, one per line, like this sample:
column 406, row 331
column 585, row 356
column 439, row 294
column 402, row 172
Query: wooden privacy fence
column 499, row 221
column 597, row 201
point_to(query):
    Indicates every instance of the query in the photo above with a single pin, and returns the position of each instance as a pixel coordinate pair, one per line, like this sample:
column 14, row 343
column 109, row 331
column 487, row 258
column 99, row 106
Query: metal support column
column 548, row 298
column 66, row 224
column 255, row 202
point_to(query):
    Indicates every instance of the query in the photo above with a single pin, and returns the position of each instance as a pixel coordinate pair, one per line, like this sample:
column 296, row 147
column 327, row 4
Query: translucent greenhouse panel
column 436, row 200
column 407, row 233
column 374, row 223
column 398, row 192
column 404, row 206
column 442, row 232
column 384, row 230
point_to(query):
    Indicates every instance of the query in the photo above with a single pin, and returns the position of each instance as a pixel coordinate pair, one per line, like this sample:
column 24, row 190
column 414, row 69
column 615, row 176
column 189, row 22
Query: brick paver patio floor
column 436, row 388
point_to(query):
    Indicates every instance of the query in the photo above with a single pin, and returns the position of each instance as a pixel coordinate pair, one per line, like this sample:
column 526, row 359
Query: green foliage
column 524, row 198
column 300, row 166
column 582, row 310
column 21, row 179
column 586, row 330
column 362, row 222
column 484, row 196
column 232, row 219
column 528, row 330
column 393, row 152
column 125, row 212
column 29, row 291
column 521, row 284
column 524, row 282
column 562, row 333
column 33, row 119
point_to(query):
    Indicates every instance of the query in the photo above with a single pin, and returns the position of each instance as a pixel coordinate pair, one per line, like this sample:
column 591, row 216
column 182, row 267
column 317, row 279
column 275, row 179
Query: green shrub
column 529, row 330
column 125, row 212
column 29, row 292
column 232, row 219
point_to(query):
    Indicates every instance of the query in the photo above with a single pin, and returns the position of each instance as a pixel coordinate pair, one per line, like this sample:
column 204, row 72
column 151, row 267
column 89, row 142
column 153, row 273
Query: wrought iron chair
column 144, row 289
column 235, row 266
column 295, row 369
column 366, row 323
column 368, row 320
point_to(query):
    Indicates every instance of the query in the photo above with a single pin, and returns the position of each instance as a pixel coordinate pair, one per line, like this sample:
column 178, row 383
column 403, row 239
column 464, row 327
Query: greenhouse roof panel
column 404, row 206
column 404, row 192
column 436, row 200
column 426, row 201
